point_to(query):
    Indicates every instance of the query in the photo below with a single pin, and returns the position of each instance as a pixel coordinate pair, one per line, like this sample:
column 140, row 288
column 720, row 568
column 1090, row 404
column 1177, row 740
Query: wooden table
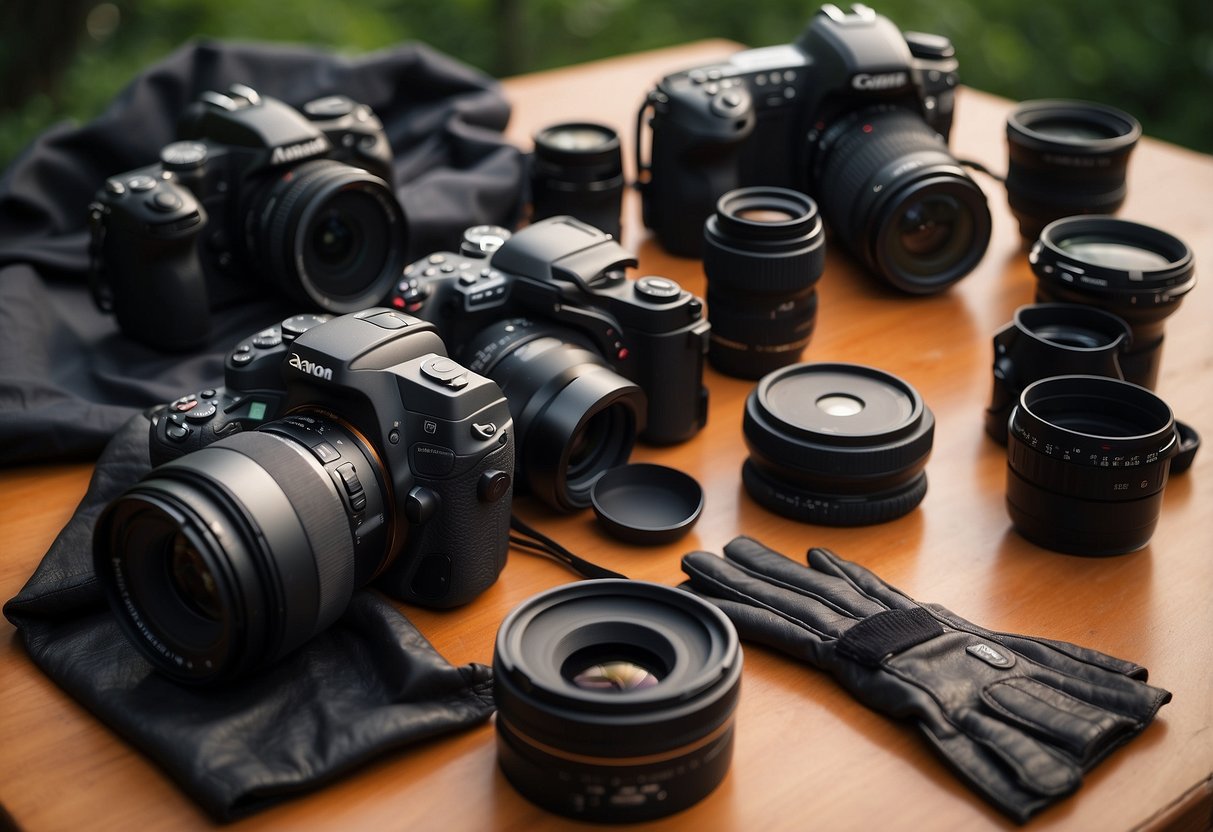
column 807, row 755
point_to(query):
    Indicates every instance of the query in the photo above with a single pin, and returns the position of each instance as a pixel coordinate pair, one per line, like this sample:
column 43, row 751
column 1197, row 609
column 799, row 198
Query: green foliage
column 1154, row 60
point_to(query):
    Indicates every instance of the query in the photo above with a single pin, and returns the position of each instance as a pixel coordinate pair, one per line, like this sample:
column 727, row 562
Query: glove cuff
column 881, row 635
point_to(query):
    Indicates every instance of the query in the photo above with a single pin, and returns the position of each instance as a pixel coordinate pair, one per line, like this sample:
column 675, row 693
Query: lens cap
column 647, row 504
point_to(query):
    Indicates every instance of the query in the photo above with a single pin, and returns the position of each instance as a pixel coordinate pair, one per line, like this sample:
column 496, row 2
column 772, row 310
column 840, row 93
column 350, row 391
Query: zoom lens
column 575, row 417
column 1051, row 339
column 1087, row 461
column 836, row 444
column 222, row 561
column 615, row 699
column 899, row 201
column 329, row 235
column 1136, row 272
column 764, row 250
column 578, row 170
column 1066, row 158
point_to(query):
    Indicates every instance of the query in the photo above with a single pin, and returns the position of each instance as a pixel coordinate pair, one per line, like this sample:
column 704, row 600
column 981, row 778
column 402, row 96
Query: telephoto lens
column 1066, row 158
column 615, row 699
column 1134, row 271
column 764, row 250
column 578, row 170
column 1087, row 462
column 836, row 444
column 1051, row 339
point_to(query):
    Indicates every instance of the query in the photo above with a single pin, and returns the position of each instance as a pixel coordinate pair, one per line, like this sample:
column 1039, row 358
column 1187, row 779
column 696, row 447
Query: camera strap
column 536, row 542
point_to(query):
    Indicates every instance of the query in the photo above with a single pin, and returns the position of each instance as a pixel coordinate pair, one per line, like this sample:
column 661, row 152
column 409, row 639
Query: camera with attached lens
column 301, row 198
column 588, row 357
column 855, row 113
column 341, row 451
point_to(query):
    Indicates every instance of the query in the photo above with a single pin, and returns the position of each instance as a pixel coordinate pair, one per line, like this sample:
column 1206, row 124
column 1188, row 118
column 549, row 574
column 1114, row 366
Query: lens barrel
column 615, row 699
column 1087, row 462
column 899, row 201
column 764, row 251
column 1066, row 158
column 836, row 444
column 228, row 558
column 1134, row 271
column 1051, row 339
column 330, row 235
column 575, row 417
column 578, row 170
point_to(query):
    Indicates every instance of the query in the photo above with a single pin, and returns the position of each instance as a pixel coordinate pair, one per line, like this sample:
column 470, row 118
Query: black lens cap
column 647, row 504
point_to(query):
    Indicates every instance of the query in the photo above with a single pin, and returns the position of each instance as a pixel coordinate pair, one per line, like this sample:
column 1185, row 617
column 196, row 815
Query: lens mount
column 330, row 235
column 615, row 699
column 1087, row 461
column 836, row 444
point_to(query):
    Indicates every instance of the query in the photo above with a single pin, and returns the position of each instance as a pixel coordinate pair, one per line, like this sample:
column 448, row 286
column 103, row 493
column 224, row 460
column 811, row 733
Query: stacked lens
column 578, row 170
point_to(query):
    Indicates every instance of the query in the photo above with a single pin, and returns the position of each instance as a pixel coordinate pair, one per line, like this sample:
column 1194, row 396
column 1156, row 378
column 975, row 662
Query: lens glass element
column 192, row 579
column 1115, row 254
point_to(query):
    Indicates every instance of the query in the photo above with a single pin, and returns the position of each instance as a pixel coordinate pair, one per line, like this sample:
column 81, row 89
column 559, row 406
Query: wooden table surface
column 807, row 755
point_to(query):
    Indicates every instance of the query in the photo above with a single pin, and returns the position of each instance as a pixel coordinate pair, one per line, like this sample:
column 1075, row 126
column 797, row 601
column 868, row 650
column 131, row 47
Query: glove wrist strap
column 886, row 633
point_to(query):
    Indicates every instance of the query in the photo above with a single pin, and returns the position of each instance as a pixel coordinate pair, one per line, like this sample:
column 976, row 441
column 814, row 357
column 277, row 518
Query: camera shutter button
column 730, row 103
column 658, row 289
column 165, row 202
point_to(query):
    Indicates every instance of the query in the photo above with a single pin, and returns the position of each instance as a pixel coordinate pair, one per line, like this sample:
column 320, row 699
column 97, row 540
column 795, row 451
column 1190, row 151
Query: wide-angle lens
column 578, row 170
column 898, row 200
column 1134, row 271
column 836, row 444
column 615, row 699
column 329, row 235
column 1066, row 158
column 1087, row 461
column 226, row 559
column 764, row 251
column 575, row 417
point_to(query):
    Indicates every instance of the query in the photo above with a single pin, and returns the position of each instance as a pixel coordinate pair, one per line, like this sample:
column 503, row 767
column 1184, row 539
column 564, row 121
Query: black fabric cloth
column 1019, row 718
column 68, row 378
column 368, row 685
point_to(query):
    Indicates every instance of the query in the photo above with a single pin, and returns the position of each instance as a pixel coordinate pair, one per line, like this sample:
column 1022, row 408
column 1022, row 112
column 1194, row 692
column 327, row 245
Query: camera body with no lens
column 301, row 198
column 855, row 113
column 341, row 452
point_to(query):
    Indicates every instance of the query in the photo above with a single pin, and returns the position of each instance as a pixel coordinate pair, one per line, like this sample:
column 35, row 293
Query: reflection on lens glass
column 333, row 239
column 1073, row 130
column 759, row 214
column 192, row 579
column 586, row 445
column 1069, row 335
column 927, row 225
column 615, row 676
column 1101, row 251
column 840, row 404
column 577, row 138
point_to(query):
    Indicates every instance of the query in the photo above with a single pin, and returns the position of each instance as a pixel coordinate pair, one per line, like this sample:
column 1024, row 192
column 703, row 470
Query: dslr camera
column 855, row 113
column 253, row 187
column 340, row 452
column 588, row 357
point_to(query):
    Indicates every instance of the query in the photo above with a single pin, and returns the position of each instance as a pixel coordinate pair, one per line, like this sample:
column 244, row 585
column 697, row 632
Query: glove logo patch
column 990, row 656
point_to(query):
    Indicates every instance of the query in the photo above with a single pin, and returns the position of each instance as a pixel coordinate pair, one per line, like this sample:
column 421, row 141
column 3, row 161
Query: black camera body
column 800, row 116
column 253, row 190
column 426, row 490
column 568, row 278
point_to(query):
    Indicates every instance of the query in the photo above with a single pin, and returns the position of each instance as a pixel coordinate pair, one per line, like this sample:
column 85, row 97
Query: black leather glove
column 1020, row 718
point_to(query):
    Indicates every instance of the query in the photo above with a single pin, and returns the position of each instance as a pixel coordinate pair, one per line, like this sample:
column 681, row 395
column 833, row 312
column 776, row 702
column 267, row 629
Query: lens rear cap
column 647, row 504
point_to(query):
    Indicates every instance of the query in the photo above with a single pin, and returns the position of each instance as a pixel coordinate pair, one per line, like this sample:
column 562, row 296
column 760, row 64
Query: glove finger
column 1060, row 655
column 713, row 575
column 1111, row 692
column 755, row 624
column 782, row 570
column 864, row 582
column 1036, row 767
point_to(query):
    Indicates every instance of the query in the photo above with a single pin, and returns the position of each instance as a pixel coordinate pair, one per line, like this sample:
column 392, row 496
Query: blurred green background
column 66, row 58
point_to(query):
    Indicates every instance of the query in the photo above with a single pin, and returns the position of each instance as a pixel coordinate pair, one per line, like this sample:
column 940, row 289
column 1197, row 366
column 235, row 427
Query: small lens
column 1066, row 158
column 836, row 444
column 616, row 699
column 764, row 252
column 578, row 170
column 192, row 578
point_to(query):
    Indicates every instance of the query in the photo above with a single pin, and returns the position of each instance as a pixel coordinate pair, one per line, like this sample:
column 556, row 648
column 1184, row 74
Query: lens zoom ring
column 790, row 501
column 766, row 273
column 313, row 495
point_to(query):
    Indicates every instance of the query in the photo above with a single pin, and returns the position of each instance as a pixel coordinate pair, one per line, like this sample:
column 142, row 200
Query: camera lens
column 1087, row 461
column 578, row 170
column 764, row 250
column 1051, row 339
column 615, row 699
column 575, row 417
column 329, row 235
column 1136, row 272
column 228, row 558
column 898, row 200
column 1066, row 158
column 836, row 444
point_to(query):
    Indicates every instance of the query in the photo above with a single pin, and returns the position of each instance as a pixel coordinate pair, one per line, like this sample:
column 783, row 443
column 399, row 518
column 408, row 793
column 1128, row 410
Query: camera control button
column 267, row 339
column 183, row 156
column 433, row 460
column 349, row 478
column 176, row 432
column 731, row 103
column 202, row 412
column 445, row 372
column 141, row 183
column 325, row 452
column 115, row 187
column 658, row 289
column 239, row 359
column 420, row 505
column 387, row 320
column 165, row 202
column 493, row 485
